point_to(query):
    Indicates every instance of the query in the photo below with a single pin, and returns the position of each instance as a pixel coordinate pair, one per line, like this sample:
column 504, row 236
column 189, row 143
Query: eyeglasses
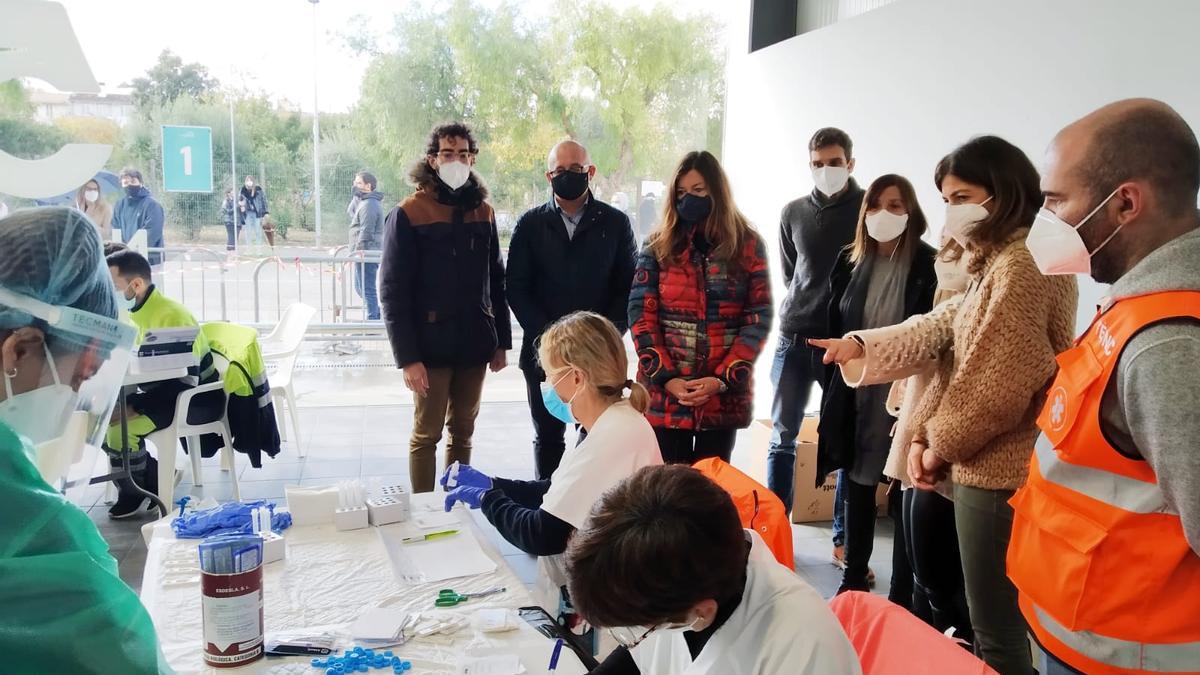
column 455, row 155
column 574, row 168
column 632, row 636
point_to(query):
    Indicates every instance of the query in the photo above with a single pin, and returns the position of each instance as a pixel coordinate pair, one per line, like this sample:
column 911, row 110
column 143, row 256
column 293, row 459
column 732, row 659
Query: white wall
column 912, row 80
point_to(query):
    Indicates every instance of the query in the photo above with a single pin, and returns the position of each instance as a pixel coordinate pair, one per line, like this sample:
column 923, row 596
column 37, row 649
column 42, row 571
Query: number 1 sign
column 187, row 159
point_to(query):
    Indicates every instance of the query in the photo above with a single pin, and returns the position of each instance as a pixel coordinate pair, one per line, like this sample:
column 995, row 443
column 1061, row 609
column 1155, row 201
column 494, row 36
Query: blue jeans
column 1048, row 665
column 253, row 228
column 839, row 510
column 794, row 370
column 365, row 286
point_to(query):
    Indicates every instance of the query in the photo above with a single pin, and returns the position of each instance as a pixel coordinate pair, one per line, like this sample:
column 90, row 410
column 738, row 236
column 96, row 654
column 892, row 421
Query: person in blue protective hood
column 63, row 357
column 137, row 210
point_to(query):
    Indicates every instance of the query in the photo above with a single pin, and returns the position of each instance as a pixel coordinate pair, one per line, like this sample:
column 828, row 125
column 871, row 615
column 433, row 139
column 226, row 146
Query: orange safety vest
column 1107, row 580
column 758, row 507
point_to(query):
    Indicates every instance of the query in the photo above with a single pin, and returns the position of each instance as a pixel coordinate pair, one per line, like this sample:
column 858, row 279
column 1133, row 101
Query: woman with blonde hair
column 699, row 311
column 586, row 378
column 100, row 212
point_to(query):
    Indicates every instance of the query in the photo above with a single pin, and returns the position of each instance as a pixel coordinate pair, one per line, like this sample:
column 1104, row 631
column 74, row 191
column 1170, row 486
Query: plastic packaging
column 228, row 518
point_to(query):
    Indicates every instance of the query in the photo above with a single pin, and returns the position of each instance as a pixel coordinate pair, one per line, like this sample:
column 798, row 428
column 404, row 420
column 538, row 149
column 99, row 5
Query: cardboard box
column 809, row 503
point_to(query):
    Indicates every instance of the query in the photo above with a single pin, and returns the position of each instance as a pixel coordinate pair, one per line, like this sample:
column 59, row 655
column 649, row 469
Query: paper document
column 505, row 664
column 436, row 560
column 379, row 623
column 436, row 520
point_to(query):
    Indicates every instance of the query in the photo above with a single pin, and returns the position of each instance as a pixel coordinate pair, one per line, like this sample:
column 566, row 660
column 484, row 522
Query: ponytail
column 639, row 398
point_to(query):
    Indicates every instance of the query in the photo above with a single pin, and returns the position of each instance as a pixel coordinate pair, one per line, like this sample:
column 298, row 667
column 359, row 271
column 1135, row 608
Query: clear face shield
column 63, row 373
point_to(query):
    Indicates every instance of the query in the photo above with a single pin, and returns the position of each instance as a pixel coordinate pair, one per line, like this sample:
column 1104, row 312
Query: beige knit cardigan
column 999, row 340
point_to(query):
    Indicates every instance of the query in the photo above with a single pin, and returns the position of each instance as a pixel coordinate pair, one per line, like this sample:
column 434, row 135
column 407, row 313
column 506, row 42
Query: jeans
column 451, row 402
column 983, row 519
column 839, row 510
column 253, row 228
column 795, row 368
column 367, row 289
column 231, row 235
column 931, row 540
column 684, row 446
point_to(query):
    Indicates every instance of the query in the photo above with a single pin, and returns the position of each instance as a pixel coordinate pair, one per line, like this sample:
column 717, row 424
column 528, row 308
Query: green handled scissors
column 447, row 597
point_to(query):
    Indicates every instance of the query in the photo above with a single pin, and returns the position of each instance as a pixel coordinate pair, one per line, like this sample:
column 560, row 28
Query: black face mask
column 133, row 190
column 693, row 209
column 358, row 192
column 570, row 185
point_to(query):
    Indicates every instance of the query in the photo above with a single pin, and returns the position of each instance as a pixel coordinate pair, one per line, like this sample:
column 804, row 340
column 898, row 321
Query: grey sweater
column 1151, row 408
column 813, row 230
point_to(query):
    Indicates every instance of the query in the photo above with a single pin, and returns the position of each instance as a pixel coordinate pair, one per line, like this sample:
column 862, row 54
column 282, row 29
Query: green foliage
column 639, row 88
column 14, row 100
column 168, row 80
column 29, row 140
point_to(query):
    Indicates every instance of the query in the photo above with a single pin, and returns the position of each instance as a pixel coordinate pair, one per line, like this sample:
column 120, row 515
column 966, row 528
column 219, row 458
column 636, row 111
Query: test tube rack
column 390, row 505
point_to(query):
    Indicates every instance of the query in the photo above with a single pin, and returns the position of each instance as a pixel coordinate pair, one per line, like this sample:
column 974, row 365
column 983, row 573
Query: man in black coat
column 572, row 253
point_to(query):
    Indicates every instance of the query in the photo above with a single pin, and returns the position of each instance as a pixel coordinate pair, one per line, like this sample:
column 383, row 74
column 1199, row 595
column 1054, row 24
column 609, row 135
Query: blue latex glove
column 467, row 476
column 467, row 494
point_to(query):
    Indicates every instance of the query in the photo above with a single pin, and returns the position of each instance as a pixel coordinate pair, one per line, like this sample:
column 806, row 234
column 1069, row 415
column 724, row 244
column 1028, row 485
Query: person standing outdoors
column 88, row 200
column 1106, row 537
column 137, row 210
column 699, row 311
column 441, row 289
column 573, row 253
column 885, row 277
column 252, row 205
column 813, row 231
column 1001, row 336
column 366, row 236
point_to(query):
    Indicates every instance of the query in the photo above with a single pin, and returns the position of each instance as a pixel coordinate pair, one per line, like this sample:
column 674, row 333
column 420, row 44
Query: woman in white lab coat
column 665, row 565
column 587, row 375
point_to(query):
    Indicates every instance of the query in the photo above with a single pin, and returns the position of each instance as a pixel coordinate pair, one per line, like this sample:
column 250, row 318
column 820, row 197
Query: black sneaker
column 129, row 504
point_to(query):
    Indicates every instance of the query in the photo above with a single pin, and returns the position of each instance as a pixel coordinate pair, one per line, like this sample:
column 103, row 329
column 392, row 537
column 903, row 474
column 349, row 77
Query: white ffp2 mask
column 830, row 180
column 884, row 226
column 1056, row 246
column 454, row 174
column 960, row 218
column 41, row 415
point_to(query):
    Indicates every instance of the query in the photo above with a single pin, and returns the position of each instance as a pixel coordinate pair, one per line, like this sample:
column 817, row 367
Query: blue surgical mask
column 124, row 301
column 557, row 407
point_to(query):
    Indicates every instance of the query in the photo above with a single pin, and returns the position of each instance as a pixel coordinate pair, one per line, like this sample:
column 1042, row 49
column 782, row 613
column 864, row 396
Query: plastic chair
column 280, row 350
column 167, row 442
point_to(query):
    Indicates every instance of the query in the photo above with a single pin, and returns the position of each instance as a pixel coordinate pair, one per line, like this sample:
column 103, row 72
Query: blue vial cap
column 407, row 665
column 318, row 663
column 388, row 654
column 332, row 671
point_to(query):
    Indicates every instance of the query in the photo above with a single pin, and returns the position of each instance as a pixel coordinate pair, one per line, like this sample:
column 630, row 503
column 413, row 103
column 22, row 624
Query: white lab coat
column 782, row 626
column 619, row 444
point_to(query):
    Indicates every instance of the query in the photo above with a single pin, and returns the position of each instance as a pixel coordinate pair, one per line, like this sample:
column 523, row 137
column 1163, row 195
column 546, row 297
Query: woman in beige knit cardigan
column 998, row 341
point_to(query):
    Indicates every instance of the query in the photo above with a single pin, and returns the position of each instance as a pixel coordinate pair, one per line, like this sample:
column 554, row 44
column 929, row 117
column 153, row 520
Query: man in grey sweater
column 366, row 235
column 1125, row 179
column 813, row 230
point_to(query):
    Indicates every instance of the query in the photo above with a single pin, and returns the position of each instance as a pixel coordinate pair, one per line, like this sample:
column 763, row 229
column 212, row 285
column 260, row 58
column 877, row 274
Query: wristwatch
column 721, row 386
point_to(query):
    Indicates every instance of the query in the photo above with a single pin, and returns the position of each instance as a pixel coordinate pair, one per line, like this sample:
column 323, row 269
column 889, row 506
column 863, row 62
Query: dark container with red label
column 233, row 617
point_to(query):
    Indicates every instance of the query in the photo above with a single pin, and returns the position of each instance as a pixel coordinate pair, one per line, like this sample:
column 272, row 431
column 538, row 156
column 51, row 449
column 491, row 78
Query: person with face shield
column 63, row 356
column 586, row 377
column 664, row 564
column 441, row 289
column 1106, row 537
column 1001, row 338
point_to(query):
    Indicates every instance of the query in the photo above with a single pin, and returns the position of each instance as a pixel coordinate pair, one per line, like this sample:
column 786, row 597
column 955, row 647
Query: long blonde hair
column 726, row 228
column 590, row 343
column 99, row 210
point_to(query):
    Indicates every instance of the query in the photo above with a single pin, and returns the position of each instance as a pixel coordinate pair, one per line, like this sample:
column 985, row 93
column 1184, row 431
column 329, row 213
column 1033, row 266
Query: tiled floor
column 372, row 441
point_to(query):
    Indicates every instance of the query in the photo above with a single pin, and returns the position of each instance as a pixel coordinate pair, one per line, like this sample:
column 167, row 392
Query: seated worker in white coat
column 587, row 374
column 665, row 565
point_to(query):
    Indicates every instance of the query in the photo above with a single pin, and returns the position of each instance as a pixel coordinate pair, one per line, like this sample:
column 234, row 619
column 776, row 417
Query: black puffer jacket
column 441, row 280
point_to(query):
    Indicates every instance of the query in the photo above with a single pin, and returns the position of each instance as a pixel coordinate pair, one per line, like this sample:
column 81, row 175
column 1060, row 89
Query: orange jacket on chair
column 1107, row 580
column 759, row 508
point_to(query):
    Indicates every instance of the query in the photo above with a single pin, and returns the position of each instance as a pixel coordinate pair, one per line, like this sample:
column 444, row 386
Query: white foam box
column 350, row 519
column 274, row 548
column 392, row 505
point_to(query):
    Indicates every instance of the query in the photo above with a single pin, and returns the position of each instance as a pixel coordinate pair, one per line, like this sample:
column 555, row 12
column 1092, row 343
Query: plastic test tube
column 452, row 479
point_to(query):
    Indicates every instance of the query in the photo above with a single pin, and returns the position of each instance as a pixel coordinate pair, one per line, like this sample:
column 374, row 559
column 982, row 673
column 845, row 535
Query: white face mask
column 960, row 218
column 454, row 174
column 885, row 226
column 1057, row 247
column 830, row 180
column 91, row 195
column 950, row 275
column 40, row 415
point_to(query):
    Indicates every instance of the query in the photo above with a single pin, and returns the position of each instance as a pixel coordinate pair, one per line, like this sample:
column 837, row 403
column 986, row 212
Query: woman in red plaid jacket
column 699, row 311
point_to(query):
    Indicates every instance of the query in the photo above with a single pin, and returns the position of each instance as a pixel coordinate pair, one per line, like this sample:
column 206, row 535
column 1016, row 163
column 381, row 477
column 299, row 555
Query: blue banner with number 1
column 187, row 159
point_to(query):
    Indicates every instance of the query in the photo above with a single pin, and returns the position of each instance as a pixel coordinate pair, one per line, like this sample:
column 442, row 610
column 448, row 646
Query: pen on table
column 429, row 536
column 558, row 645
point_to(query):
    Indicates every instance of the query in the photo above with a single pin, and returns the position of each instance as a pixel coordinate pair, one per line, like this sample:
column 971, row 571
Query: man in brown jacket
column 441, row 289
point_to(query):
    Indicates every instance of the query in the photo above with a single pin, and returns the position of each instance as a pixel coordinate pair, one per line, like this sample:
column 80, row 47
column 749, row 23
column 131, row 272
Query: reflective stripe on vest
column 1118, row 491
column 1155, row 658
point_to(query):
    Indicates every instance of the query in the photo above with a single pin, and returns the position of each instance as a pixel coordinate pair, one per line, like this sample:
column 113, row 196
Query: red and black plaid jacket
column 701, row 317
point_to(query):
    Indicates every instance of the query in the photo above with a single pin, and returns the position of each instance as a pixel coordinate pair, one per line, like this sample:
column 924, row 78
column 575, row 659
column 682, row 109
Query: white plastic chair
column 167, row 442
column 280, row 350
